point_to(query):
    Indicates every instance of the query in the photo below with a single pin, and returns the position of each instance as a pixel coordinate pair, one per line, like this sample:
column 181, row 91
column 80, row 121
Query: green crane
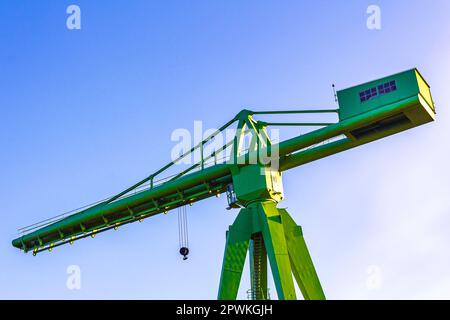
column 251, row 177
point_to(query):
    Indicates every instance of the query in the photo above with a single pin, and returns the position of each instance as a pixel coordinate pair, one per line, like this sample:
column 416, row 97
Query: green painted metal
column 270, row 232
column 301, row 262
column 407, row 84
column 277, row 249
column 254, row 182
column 285, row 249
column 237, row 243
column 132, row 208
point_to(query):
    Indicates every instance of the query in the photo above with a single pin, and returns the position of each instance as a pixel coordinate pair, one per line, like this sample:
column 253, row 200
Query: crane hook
column 184, row 251
column 183, row 232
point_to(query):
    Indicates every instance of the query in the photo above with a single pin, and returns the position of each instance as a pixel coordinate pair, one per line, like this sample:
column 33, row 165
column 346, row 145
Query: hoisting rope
column 183, row 232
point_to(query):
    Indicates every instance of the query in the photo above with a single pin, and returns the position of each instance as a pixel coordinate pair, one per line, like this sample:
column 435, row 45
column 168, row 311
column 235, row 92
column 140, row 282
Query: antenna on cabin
column 334, row 93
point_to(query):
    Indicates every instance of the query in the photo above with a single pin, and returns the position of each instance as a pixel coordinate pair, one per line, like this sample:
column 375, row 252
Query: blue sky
column 86, row 113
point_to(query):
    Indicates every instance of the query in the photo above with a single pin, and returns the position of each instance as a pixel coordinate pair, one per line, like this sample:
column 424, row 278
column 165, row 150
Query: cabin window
column 382, row 89
column 387, row 87
column 368, row 94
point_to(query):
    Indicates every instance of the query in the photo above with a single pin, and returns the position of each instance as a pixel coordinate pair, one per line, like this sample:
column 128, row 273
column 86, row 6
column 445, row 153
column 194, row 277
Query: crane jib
column 362, row 117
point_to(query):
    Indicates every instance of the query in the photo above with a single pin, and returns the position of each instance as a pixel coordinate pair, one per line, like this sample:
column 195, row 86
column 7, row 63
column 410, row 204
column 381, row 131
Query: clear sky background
column 86, row 113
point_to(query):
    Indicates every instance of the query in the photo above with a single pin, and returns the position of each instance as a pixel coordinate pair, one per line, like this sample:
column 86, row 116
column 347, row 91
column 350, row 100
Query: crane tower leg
column 301, row 262
column 237, row 243
column 277, row 250
column 273, row 234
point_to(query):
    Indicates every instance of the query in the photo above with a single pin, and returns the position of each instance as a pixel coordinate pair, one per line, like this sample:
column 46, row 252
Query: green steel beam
column 277, row 250
column 301, row 262
column 298, row 124
column 237, row 243
column 141, row 201
column 297, row 111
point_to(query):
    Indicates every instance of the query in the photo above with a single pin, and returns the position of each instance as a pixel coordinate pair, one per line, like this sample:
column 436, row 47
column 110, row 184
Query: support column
column 277, row 251
column 301, row 262
column 275, row 235
column 238, row 238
